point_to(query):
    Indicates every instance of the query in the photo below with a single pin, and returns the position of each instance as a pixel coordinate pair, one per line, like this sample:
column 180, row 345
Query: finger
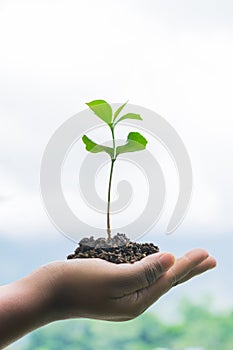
column 185, row 264
column 141, row 274
column 179, row 270
column 206, row 265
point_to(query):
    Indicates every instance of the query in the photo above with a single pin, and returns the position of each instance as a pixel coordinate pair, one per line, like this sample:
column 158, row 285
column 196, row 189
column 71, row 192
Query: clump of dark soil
column 119, row 249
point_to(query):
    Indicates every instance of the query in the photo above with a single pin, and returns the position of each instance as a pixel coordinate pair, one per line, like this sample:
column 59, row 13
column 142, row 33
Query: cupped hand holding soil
column 98, row 289
column 93, row 288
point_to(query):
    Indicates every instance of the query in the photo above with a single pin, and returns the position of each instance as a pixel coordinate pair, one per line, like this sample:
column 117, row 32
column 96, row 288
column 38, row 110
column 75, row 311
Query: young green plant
column 135, row 141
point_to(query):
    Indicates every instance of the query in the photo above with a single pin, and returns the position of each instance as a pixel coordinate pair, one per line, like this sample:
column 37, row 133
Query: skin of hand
column 92, row 288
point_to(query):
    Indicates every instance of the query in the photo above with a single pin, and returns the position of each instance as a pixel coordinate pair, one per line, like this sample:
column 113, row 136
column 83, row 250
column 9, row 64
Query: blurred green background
column 198, row 328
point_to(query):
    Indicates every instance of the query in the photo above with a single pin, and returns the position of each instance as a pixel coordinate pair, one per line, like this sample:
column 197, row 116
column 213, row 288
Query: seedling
column 135, row 141
column 117, row 249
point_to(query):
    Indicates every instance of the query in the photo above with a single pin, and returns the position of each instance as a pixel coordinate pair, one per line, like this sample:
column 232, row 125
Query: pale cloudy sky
column 174, row 57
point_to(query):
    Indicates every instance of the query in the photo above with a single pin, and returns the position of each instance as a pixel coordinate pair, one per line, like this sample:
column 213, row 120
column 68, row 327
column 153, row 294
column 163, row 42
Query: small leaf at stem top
column 93, row 147
column 128, row 116
column 102, row 109
column 118, row 111
column 135, row 142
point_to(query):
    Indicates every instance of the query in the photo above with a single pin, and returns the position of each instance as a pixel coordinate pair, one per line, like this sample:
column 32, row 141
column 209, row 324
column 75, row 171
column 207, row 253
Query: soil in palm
column 119, row 249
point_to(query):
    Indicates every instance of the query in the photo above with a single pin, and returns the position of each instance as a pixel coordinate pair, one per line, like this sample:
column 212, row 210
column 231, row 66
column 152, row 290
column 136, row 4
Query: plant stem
column 110, row 184
column 109, row 199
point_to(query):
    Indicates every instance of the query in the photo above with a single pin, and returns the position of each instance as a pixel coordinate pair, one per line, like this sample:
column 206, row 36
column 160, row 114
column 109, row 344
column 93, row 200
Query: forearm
column 24, row 306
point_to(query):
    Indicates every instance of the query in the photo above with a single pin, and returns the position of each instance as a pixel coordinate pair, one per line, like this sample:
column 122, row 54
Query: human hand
column 94, row 288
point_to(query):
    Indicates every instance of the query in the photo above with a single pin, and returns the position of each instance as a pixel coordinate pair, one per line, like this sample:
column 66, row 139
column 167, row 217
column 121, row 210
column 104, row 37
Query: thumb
column 153, row 266
column 144, row 273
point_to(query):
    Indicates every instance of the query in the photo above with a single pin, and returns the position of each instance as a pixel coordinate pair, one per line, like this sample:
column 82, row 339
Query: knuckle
column 172, row 280
column 187, row 258
column 152, row 272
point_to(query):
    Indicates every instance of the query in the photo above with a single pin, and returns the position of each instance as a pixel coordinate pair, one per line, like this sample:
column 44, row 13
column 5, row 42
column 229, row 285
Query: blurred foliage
column 199, row 328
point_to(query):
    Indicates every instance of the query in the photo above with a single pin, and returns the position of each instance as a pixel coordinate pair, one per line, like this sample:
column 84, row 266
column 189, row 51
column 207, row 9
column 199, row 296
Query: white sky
column 174, row 57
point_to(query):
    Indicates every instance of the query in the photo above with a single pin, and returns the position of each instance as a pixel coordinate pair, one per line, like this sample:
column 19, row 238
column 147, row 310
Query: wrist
column 25, row 305
column 51, row 280
column 39, row 290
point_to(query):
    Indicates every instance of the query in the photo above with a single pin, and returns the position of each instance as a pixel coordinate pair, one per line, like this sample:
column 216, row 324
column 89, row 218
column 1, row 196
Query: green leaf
column 129, row 116
column 135, row 142
column 93, row 147
column 102, row 109
column 118, row 111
